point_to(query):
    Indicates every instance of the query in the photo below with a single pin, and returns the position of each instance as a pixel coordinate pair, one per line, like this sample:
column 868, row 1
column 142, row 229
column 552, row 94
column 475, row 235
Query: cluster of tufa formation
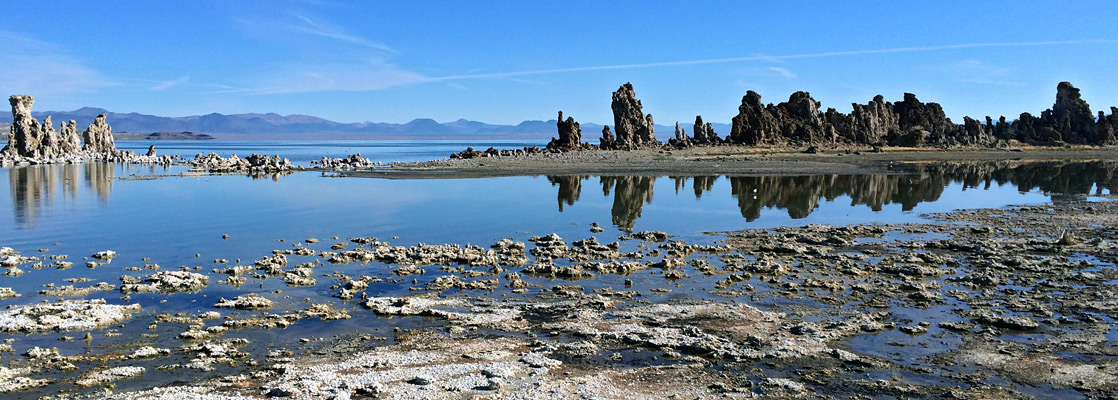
column 29, row 139
column 570, row 136
column 912, row 123
column 908, row 123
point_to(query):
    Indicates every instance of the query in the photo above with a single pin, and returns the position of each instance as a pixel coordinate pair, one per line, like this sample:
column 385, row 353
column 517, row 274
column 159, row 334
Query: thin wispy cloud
column 771, row 58
column 980, row 73
column 164, row 85
column 292, row 24
column 307, row 24
column 42, row 68
column 783, row 72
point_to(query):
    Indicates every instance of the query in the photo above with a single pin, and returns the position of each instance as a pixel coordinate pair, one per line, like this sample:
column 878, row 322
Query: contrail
column 778, row 57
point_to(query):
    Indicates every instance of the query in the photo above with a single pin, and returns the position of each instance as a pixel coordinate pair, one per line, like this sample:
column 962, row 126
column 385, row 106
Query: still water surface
column 179, row 221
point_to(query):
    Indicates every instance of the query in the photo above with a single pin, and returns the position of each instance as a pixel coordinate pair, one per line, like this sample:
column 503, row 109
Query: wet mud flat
column 1015, row 302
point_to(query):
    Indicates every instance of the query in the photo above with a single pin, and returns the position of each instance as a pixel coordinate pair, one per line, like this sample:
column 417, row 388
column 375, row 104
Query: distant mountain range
column 275, row 126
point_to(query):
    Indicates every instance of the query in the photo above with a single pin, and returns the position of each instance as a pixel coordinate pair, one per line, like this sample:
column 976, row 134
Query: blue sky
column 505, row 62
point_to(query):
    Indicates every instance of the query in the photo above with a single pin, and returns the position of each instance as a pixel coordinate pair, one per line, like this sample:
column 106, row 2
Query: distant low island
column 162, row 135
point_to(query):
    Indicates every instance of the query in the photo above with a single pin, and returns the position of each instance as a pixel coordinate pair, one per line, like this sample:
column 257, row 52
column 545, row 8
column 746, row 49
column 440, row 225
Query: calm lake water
column 179, row 221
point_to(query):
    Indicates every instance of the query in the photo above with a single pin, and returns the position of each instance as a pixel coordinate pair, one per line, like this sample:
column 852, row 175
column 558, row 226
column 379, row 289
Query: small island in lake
column 163, row 135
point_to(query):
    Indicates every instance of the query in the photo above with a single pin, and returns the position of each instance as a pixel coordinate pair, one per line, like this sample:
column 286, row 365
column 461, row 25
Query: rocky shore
column 1006, row 303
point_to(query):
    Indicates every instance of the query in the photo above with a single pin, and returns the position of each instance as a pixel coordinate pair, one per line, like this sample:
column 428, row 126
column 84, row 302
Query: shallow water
column 302, row 152
column 179, row 222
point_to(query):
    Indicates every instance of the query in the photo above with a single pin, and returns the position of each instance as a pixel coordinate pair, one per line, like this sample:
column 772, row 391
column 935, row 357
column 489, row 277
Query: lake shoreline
column 722, row 160
column 804, row 311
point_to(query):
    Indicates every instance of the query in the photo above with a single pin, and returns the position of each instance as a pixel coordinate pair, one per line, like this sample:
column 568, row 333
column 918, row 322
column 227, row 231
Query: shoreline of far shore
column 715, row 160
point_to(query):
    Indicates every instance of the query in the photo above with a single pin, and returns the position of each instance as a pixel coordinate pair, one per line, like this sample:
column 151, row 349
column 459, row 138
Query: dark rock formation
column 493, row 152
column 98, row 137
column 1069, row 121
column 703, row 134
column 607, row 141
column 151, row 151
column 754, row 125
column 634, row 128
column 680, row 141
column 570, row 136
column 912, row 123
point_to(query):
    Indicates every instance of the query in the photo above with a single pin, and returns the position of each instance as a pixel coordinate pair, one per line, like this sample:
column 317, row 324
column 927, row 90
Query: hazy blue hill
column 272, row 125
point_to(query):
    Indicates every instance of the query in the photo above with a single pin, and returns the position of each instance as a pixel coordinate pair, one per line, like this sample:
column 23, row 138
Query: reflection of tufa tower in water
column 630, row 194
column 33, row 186
column 801, row 195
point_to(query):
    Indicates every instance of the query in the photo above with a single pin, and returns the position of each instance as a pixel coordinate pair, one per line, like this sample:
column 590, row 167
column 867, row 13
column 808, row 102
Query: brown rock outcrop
column 1070, row 120
column 754, row 124
column 680, row 141
column 607, row 141
column 703, row 134
column 634, row 128
column 98, row 137
column 570, row 136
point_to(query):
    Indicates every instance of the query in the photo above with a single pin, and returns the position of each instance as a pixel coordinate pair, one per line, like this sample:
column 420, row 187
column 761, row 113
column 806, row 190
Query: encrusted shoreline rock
column 256, row 163
column 351, row 162
column 64, row 315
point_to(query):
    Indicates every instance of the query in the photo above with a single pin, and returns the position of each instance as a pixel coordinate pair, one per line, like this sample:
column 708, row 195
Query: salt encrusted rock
column 251, row 301
column 104, row 255
column 15, row 379
column 570, row 135
column 164, row 282
column 634, row 128
column 255, row 163
column 414, row 305
column 109, row 375
column 351, row 162
column 42, row 353
column 98, row 137
column 151, row 151
column 64, row 315
column 7, row 293
column 149, row 352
